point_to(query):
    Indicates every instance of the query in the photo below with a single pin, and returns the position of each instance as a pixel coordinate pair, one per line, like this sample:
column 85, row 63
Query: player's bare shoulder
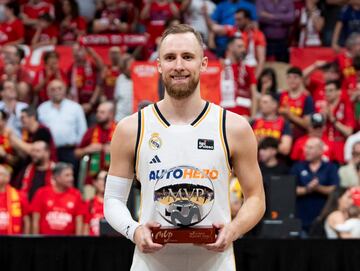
column 126, row 132
column 239, row 133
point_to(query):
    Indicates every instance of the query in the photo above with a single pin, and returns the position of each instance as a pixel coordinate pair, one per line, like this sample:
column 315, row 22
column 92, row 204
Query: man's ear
column 204, row 64
column 159, row 65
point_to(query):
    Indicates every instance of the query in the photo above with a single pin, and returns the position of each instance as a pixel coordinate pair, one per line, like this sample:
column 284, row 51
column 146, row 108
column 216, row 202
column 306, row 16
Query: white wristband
column 117, row 191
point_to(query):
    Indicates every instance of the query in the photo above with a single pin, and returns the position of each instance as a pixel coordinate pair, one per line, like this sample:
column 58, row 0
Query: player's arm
column 243, row 151
column 118, row 185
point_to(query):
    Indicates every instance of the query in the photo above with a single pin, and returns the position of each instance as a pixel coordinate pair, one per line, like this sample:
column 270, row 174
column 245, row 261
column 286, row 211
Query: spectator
column 253, row 37
column 347, row 23
column 30, row 13
column 46, row 32
column 14, row 209
column 238, row 81
column 96, row 141
column 116, row 16
column 270, row 124
column 192, row 11
column 224, row 14
column 316, row 75
column 340, row 118
column 295, row 103
column 33, row 131
column 275, row 18
column 13, row 55
column 269, row 163
column 316, row 179
column 351, row 227
column 84, row 76
column 12, row 29
column 267, row 82
column 58, row 209
column 333, row 213
column 72, row 25
column 345, row 59
column 311, row 24
column 124, row 90
column 349, row 144
column 12, row 106
column 350, row 85
column 94, row 207
column 66, row 121
column 154, row 14
column 39, row 172
column 50, row 72
column 111, row 72
column 349, row 175
column 7, row 155
column 316, row 129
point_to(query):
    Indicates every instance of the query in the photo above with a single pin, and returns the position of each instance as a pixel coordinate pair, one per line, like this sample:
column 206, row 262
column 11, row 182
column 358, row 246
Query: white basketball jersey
column 178, row 165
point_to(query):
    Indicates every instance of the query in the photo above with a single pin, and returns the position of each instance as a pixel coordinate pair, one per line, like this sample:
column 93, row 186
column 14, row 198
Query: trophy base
column 194, row 235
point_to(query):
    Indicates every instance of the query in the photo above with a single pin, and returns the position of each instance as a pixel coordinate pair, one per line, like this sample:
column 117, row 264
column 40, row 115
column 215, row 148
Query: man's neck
column 59, row 189
column 334, row 102
column 182, row 111
column 43, row 166
column 34, row 127
column 107, row 125
column 315, row 164
column 56, row 103
column 272, row 162
column 2, row 188
column 294, row 93
column 10, row 103
column 270, row 116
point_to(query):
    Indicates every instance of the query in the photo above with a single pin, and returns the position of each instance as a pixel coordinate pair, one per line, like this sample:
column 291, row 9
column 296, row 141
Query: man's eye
column 169, row 58
column 188, row 57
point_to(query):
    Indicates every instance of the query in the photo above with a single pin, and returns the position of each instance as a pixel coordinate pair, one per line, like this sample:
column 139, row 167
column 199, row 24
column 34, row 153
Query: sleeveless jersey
column 167, row 156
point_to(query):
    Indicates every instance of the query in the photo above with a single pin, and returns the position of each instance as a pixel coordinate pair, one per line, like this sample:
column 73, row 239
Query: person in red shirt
column 295, row 103
column 14, row 208
column 116, row 16
column 270, row 124
column 84, row 75
column 316, row 75
column 340, row 118
column 72, row 24
column 58, row 209
column 254, row 39
column 46, row 32
column 95, row 206
column 96, row 140
column 316, row 129
column 30, row 13
column 44, row 76
column 238, row 81
column 12, row 29
column 111, row 73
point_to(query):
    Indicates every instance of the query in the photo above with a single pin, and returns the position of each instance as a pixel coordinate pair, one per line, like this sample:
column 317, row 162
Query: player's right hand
column 143, row 239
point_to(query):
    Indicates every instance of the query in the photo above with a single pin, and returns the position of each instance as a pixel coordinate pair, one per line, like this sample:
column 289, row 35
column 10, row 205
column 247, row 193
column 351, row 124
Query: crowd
column 54, row 118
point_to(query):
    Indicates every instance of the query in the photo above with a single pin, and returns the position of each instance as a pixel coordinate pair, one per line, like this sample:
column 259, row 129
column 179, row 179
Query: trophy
column 184, row 197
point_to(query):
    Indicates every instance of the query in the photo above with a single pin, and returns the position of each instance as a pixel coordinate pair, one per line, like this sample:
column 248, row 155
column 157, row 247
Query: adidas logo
column 155, row 160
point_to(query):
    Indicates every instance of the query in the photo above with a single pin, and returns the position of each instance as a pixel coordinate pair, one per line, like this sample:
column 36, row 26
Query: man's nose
column 179, row 63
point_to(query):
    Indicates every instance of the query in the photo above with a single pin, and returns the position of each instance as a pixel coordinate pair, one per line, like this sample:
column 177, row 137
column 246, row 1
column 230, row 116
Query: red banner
column 304, row 57
column 145, row 77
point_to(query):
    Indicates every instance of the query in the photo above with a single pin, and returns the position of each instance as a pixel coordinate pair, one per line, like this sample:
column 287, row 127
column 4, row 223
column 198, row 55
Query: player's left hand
column 226, row 235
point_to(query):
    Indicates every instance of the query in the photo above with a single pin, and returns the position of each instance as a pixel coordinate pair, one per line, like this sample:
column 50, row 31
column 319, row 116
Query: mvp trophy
column 184, row 196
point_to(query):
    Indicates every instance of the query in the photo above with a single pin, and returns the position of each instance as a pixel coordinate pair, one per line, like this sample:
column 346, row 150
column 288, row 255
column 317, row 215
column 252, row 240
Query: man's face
column 9, row 54
column 25, row 120
column 332, row 92
column 267, row 154
column 39, row 153
column 241, row 21
column 65, row 179
column 9, row 90
column 294, row 81
column 103, row 114
column 238, row 49
column 99, row 183
column 356, row 153
column 79, row 52
column 355, row 49
column 56, row 91
column 267, row 105
column 180, row 62
column 313, row 150
column 53, row 63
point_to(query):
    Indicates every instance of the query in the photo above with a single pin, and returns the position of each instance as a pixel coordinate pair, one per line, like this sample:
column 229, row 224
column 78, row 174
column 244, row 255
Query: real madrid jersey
column 184, row 172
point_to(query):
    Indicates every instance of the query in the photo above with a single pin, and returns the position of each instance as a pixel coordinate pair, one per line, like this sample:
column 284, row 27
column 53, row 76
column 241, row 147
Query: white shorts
column 183, row 257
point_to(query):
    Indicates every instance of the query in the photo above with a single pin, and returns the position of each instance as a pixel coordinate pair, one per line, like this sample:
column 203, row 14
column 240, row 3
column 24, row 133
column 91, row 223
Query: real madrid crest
column 155, row 141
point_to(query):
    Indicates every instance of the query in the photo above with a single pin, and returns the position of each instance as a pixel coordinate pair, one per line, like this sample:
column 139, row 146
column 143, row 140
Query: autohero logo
column 178, row 173
column 182, row 199
column 205, row 144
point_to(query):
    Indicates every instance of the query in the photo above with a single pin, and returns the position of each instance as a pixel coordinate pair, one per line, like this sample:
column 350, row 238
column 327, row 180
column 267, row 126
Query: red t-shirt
column 11, row 31
column 343, row 113
column 69, row 33
column 254, row 35
column 48, row 34
column 57, row 210
column 316, row 87
column 346, row 65
column 4, row 213
column 111, row 75
column 84, row 79
column 298, row 150
column 270, row 128
column 94, row 212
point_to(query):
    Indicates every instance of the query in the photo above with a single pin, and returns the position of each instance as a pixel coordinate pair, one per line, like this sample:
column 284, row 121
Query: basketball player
column 183, row 129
